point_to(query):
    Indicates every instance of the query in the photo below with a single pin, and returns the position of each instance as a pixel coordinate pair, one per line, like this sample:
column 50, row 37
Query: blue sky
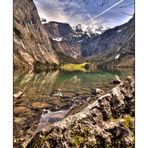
column 109, row 15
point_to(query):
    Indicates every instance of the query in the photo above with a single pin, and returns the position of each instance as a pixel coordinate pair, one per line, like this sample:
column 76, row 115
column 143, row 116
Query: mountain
column 116, row 46
column 67, row 40
column 39, row 43
column 100, row 45
column 61, row 35
column 31, row 42
column 57, row 30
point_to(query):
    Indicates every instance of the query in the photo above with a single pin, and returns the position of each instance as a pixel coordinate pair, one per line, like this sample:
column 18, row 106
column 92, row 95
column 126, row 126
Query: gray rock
column 97, row 91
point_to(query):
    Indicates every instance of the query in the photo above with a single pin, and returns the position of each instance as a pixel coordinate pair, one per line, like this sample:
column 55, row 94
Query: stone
column 39, row 105
column 18, row 95
column 115, row 82
column 21, row 110
column 58, row 94
column 67, row 95
column 19, row 119
column 97, row 91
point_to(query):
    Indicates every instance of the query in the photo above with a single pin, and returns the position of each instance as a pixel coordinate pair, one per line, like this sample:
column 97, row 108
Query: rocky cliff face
column 113, row 45
column 108, row 122
column 59, row 30
column 61, row 35
column 31, row 42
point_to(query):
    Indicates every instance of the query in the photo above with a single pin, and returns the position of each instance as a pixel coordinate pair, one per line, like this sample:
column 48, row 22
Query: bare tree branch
column 67, row 3
column 82, row 1
column 126, row 13
column 99, row 2
column 127, row 5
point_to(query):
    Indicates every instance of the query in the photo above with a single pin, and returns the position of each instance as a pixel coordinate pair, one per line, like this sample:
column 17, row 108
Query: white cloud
column 51, row 10
column 55, row 10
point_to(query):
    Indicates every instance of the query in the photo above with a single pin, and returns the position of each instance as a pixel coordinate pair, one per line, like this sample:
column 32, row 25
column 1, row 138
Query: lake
column 56, row 91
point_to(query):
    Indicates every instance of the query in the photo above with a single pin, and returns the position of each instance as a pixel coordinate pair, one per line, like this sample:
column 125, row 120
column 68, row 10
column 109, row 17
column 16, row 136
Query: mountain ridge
column 113, row 44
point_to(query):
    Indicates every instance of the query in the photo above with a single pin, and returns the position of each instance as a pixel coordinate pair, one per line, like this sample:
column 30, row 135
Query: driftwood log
column 108, row 122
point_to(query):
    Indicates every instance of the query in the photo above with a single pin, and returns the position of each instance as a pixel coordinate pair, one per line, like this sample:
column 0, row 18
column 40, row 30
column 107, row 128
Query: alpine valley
column 73, row 86
column 58, row 43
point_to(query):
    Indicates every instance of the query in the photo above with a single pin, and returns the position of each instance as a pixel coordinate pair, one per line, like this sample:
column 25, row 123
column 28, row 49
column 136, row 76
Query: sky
column 112, row 13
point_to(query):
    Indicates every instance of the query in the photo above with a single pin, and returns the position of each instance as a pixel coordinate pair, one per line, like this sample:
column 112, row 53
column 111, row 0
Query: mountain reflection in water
column 47, row 84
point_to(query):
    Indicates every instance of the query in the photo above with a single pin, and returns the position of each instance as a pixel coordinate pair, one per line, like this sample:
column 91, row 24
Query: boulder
column 21, row 110
column 97, row 91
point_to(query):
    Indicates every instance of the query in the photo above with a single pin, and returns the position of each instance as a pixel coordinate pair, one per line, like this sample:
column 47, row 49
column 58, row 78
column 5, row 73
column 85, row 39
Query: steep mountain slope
column 114, row 46
column 61, row 35
column 31, row 42
column 57, row 30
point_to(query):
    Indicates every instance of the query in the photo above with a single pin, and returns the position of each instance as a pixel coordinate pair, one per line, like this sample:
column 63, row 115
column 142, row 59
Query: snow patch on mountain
column 58, row 39
column 117, row 56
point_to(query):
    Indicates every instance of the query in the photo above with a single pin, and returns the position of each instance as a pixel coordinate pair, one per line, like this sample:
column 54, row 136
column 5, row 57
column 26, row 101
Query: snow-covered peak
column 90, row 30
column 58, row 39
column 99, row 29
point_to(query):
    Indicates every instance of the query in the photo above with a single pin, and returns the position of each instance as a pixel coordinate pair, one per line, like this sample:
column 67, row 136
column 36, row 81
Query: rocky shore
column 106, row 122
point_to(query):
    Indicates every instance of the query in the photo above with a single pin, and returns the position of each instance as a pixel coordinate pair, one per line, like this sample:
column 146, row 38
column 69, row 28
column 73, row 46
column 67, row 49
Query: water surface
column 55, row 91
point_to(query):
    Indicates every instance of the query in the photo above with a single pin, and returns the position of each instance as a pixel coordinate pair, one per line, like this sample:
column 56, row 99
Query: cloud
column 77, row 13
column 52, row 11
column 105, row 11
